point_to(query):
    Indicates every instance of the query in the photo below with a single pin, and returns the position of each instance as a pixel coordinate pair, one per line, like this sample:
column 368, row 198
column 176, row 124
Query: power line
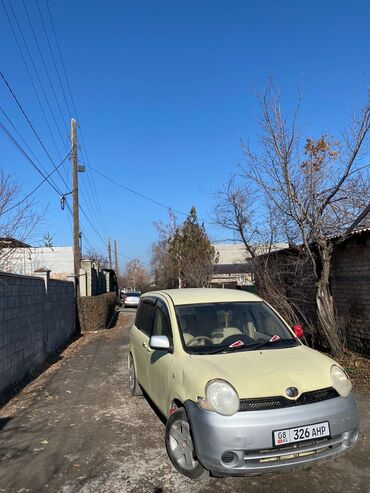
column 92, row 224
column 45, row 67
column 96, row 205
column 146, row 197
column 126, row 219
column 30, row 77
column 20, row 148
column 52, row 55
column 61, row 58
column 30, row 124
column 23, row 140
column 34, row 190
column 134, row 258
column 36, row 72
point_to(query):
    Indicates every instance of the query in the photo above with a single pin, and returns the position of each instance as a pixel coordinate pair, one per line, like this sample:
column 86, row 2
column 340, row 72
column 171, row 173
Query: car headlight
column 220, row 397
column 341, row 382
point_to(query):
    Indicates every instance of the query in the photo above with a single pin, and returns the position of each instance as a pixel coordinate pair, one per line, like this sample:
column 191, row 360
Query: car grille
column 296, row 453
column 279, row 402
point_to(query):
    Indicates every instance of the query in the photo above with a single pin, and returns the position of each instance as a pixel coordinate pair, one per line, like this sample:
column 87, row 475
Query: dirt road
column 77, row 429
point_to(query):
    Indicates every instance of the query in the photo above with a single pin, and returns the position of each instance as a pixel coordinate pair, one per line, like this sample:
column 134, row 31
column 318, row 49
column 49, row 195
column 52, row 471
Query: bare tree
column 136, row 276
column 96, row 257
column 18, row 219
column 242, row 210
column 318, row 187
column 236, row 212
column 164, row 270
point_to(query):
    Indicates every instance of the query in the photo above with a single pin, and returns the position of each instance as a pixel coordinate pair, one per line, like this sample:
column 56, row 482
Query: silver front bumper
column 246, row 437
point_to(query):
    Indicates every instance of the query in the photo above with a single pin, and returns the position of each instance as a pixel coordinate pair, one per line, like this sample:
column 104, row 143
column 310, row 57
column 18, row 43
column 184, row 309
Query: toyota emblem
column 291, row 392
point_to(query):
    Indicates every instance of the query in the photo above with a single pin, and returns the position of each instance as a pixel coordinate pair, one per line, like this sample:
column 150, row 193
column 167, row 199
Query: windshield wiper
column 228, row 349
column 248, row 347
column 261, row 344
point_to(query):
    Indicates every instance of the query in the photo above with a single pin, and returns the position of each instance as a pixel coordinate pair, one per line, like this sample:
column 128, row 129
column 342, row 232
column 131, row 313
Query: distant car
column 240, row 392
column 131, row 300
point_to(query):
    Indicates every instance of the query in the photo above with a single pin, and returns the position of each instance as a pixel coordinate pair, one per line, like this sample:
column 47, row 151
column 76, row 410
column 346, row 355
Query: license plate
column 308, row 432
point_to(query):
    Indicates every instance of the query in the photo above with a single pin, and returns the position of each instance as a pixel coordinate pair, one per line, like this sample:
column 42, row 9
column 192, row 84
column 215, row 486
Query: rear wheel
column 180, row 446
column 134, row 386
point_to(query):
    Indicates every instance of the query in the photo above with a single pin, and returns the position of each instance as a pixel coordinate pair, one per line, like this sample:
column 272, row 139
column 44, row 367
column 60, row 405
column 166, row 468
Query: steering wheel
column 199, row 338
column 238, row 337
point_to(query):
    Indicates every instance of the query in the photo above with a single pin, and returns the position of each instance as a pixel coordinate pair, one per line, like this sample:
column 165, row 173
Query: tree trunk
column 324, row 303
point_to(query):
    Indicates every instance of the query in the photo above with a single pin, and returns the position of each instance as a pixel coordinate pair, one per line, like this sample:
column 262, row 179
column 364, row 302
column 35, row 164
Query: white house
column 25, row 260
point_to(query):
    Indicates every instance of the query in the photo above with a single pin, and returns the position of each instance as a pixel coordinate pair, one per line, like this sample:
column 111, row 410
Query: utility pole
column 76, row 219
column 109, row 254
column 115, row 258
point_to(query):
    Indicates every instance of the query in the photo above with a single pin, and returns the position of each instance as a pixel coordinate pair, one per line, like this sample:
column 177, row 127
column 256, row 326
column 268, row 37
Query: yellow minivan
column 240, row 392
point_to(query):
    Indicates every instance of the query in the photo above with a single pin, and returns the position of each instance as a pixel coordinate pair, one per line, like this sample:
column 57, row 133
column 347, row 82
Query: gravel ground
column 75, row 428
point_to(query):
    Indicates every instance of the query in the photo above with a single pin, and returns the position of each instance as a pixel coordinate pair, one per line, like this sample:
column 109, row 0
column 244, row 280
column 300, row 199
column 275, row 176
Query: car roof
column 188, row 296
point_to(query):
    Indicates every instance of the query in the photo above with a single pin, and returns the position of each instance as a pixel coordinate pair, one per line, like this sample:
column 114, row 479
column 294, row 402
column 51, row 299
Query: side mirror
column 160, row 342
column 298, row 331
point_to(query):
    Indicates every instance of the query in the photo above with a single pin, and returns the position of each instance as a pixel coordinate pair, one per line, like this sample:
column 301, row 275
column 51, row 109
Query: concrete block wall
column 94, row 280
column 37, row 316
column 350, row 282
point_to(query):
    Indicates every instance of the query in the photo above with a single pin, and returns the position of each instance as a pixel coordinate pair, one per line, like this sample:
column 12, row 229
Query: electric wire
column 146, row 197
column 37, row 74
column 127, row 219
column 61, row 58
column 34, row 190
column 24, row 141
column 139, row 194
column 53, row 58
column 89, row 179
column 7, row 132
column 30, row 124
column 31, row 79
column 20, row 148
column 92, row 191
column 45, row 67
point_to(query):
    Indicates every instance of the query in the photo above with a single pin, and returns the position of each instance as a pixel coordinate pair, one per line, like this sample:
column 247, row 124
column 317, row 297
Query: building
column 25, row 260
column 232, row 268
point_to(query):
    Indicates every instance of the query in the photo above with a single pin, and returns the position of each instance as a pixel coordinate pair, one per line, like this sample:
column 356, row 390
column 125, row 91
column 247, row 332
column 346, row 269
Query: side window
column 162, row 325
column 144, row 317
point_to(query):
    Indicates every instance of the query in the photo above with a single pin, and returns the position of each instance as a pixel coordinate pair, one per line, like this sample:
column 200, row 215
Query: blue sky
column 164, row 93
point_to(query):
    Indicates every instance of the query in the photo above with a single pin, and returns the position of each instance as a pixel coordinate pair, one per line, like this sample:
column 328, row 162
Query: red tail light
column 298, row 331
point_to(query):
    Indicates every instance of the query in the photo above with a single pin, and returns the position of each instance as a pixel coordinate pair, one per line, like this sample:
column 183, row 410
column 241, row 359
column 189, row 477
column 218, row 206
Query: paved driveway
column 76, row 429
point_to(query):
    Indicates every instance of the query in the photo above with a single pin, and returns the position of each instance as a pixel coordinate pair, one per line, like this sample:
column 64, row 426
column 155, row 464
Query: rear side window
column 145, row 317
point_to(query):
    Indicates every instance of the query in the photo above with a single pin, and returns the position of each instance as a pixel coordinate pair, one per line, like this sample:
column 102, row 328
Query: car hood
column 263, row 373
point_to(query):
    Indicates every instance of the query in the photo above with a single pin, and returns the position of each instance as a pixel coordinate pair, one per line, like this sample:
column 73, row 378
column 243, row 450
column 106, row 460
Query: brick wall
column 36, row 318
column 350, row 280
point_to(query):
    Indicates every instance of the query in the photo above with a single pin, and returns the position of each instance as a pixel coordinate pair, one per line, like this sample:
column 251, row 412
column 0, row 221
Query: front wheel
column 134, row 386
column 180, row 446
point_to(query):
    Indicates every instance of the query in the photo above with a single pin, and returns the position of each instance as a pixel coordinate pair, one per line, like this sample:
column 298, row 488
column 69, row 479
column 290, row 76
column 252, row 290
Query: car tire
column 180, row 445
column 134, row 386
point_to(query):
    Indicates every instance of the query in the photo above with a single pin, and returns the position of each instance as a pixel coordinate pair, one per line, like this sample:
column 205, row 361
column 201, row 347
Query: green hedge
column 94, row 312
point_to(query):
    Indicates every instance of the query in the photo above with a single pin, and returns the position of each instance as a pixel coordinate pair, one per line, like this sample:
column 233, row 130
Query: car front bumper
column 243, row 443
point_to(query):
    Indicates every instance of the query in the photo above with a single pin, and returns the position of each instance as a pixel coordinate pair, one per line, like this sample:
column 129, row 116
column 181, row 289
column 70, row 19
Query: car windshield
column 225, row 327
column 136, row 295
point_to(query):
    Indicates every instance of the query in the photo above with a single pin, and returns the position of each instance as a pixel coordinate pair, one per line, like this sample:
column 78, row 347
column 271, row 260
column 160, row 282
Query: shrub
column 94, row 312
